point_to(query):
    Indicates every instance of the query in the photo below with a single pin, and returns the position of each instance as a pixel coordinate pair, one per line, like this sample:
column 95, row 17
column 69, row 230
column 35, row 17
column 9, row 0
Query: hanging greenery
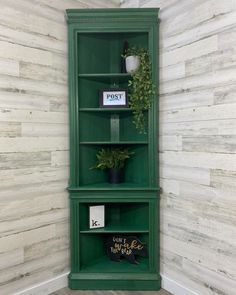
column 141, row 87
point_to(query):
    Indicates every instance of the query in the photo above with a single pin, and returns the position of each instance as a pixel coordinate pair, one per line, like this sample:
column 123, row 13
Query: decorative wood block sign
column 96, row 216
column 113, row 98
column 125, row 246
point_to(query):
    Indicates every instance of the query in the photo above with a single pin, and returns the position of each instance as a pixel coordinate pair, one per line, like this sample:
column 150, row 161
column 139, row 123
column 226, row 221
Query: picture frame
column 113, row 98
column 96, row 216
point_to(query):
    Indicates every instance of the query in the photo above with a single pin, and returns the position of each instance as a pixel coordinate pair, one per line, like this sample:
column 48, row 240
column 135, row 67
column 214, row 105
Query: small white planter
column 132, row 63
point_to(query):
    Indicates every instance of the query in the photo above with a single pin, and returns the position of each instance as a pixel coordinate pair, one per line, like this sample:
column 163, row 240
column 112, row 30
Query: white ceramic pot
column 132, row 63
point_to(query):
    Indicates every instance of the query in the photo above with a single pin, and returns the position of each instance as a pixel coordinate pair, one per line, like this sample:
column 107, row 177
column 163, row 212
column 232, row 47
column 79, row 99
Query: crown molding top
column 113, row 14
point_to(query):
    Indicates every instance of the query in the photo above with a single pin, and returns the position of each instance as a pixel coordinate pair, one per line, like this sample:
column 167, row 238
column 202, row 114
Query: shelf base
column 121, row 281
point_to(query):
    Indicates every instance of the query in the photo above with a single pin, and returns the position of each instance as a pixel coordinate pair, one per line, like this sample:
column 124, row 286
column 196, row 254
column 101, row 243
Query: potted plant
column 132, row 60
column 141, row 87
column 113, row 160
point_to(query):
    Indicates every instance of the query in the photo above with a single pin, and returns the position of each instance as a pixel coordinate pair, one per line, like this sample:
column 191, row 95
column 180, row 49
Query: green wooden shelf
column 108, row 110
column 96, row 40
column 103, row 264
column 124, row 229
column 106, row 77
column 120, row 186
column 113, row 142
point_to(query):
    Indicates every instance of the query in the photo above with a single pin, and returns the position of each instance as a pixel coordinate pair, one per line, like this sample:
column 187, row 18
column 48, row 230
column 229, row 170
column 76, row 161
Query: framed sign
column 113, row 98
column 96, row 216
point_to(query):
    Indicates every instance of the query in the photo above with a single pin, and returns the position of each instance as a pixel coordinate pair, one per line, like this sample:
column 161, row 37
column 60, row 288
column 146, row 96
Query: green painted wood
column 114, row 141
column 115, row 128
column 96, row 38
column 121, row 281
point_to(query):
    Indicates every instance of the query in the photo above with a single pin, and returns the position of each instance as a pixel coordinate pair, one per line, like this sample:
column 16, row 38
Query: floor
column 67, row 291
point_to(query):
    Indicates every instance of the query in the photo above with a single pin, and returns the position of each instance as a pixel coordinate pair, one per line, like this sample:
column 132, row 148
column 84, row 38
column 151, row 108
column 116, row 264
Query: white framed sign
column 96, row 216
column 113, row 98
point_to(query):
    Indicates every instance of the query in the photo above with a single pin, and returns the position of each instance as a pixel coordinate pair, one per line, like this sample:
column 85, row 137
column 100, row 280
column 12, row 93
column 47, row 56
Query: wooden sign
column 125, row 246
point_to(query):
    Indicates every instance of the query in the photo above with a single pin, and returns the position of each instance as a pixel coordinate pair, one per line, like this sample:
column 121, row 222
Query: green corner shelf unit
column 96, row 38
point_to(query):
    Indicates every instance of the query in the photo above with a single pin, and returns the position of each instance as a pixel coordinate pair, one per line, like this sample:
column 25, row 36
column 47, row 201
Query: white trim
column 174, row 287
column 46, row 287
column 61, row 281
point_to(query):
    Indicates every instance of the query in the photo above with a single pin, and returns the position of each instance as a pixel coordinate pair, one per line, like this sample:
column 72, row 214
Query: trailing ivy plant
column 112, row 158
column 141, row 87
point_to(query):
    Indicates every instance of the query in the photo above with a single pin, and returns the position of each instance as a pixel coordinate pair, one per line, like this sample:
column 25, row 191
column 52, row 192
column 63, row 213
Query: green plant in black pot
column 141, row 87
column 113, row 160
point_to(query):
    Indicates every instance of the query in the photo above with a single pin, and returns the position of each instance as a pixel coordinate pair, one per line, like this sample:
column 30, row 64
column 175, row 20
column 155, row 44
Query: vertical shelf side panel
column 73, row 107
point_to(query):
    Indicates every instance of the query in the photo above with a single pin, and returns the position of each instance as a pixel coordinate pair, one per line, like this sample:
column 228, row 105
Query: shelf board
column 106, row 76
column 115, row 187
column 116, row 229
column 112, row 142
column 117, row 110
column 104, row 264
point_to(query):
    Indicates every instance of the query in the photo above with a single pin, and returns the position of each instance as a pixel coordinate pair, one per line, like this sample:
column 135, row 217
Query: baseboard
column 61, row 281
column 174, row 287
column 46, row 287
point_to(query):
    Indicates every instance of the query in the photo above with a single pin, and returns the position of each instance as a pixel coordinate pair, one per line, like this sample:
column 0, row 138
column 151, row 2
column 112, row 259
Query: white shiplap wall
column 34, row 142
column 197, row 144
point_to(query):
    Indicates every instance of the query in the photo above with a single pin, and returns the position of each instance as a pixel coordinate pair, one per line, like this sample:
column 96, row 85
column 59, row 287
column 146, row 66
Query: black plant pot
column 115, row 175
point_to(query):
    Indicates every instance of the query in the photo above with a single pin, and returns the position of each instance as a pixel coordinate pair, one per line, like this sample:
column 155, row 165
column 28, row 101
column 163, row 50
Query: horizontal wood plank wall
column 34, row 141
column 198, row 142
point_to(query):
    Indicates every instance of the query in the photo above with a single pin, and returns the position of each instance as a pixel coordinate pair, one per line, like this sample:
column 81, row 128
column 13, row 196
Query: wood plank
column 18, row 225
column 214, row 112
column 31, row 144
column 27, row 205
column 226, row 39
column 22, row 276
column 211, row 62
column 10, row 100
column 39, row 250
column 25, row 8
column 186, row 100
column 172, row 72
column 44, row 129
column 201, row 13
column 169, row 186
column 190, row 51
column 37, row 188
column 202, row 31
column 9, row 67
column 29, row 86
column 10, row 129
column 23, row 239
column 32, row 175
column 200, row 160
column 60, row 158
column 32, row 40
column 23, row 160
column 225, row 94
column 211, row 144
column 58, row 104
column 199, row 278
column 192, row 174
column 209, row 80
column 170, row 143
column 11, row 258
column 196, row 253
column 223, row 179
column 24, row 53
column 32, row 116
column 199, row 128
column 39, row 72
